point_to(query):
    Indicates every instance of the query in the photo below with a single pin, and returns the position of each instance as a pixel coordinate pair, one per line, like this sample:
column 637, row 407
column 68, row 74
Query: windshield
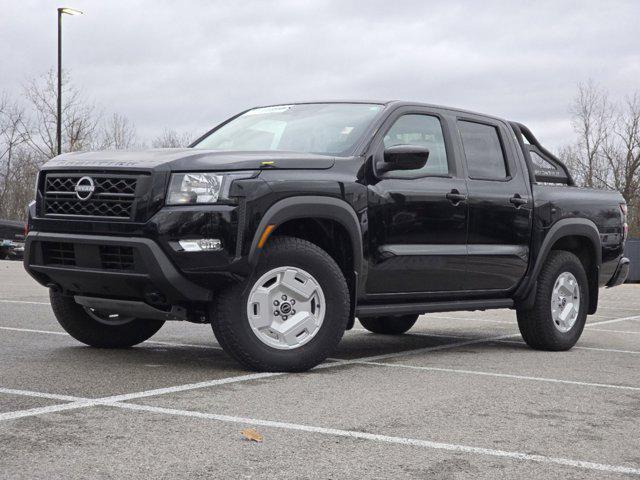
column 323, row 128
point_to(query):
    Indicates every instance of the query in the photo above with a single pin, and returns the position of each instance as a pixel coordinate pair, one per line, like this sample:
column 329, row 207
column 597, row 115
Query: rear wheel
column 290, row 315
column 559, row 312
column 100, row 329
column 389, row 325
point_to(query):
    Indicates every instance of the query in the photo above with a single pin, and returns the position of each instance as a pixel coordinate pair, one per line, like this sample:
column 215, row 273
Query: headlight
column 201, row 187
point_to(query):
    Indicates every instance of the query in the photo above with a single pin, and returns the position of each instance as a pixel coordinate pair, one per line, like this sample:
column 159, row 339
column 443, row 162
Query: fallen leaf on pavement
column 251, row 434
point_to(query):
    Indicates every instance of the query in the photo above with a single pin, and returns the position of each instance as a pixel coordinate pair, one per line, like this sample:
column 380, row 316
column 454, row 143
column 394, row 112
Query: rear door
column 499, row 205
column 417, row 218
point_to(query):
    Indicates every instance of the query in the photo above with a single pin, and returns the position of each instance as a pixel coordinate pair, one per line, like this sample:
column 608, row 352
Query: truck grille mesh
column 113, row 196
column 58, row 253
column 117, row 258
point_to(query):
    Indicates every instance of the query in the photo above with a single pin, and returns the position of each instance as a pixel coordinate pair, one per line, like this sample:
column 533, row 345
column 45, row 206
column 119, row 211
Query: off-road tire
column 231, row 324
column 84, row 328
column 389, row 325
column 536, row 324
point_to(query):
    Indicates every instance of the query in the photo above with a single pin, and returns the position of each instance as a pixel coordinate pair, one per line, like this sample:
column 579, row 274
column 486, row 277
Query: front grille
column 112, row 258
column 113, row 196
column 117, row 258
column 58, row 253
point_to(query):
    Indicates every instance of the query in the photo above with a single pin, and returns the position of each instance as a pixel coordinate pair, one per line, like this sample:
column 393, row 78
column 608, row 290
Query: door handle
column 518, row 201
column 455, row 197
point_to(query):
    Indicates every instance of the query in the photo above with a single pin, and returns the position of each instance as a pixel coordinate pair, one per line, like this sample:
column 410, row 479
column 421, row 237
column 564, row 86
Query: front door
column 417, row 218
column 499, row 206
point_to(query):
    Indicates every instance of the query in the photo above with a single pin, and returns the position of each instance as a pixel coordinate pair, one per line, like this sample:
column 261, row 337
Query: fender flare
column 312, row 207
column 566, row 227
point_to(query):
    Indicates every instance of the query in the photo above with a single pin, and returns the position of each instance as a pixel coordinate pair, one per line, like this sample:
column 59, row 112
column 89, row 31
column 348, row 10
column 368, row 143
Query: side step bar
column 131, row 308
column 380, row 309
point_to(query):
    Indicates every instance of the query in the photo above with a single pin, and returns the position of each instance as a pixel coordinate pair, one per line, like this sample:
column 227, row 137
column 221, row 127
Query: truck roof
column 389, row 103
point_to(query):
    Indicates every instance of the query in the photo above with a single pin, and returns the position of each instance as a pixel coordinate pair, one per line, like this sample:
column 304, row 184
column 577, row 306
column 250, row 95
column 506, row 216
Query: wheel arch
column 579, row 236
column 311, row 207
column 297, row 212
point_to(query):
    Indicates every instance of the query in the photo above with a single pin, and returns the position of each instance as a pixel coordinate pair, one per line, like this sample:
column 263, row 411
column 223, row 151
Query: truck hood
column 188, row 159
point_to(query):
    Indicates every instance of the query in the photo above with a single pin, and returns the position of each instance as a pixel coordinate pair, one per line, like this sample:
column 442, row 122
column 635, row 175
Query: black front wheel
column 100, row 329
column 389, row 325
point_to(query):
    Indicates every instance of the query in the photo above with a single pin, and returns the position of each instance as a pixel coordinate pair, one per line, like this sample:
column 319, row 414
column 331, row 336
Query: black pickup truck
column 283, row 224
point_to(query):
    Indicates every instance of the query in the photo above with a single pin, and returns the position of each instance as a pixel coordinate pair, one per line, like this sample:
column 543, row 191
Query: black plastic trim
column 420, row 249
column 563, row 228
column 131, row 308
column 312, row 207
column 160, row 270
column 426, row 307
column 621, row 274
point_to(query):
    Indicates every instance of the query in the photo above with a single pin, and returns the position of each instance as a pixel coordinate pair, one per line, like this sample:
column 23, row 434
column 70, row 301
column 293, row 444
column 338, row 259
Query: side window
column 482, row 147
column 424, row 130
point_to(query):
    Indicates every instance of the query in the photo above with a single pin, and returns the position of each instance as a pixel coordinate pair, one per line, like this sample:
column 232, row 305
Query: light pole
column 61, row 11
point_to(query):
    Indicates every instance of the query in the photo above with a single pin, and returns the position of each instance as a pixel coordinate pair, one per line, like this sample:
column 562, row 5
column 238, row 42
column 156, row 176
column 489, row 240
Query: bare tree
column 622, row 152
column 607, row 151
column 622, row 149
column 80, row 119
column 592, row 116
column 28, row 136
column 118, row 133
column 15, row 160
column 169, row 138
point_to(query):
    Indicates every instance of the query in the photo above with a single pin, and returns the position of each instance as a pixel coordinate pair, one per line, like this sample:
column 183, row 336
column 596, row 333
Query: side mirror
column 404, row 157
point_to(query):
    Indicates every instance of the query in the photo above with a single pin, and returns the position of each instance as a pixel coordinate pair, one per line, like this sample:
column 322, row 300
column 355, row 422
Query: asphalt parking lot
column 459, row 396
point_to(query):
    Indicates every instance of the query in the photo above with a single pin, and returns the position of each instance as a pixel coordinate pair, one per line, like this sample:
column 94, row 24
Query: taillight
column 625, row 225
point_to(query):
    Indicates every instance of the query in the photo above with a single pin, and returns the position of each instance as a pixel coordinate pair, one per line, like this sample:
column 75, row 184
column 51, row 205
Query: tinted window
column 424, row 130
column 485, row 159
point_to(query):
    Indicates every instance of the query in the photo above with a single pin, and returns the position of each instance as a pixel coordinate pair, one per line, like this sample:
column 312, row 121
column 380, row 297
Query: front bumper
column 621, row 273
column 135, row 268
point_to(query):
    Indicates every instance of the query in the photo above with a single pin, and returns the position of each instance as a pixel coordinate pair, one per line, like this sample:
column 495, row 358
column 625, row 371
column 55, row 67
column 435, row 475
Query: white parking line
column 243, row 378
column 193, row 386
column 29, row 393
column 30, row 330
column 154, row 342
column 611, row 307
column 25, row 302
column 189, row 386
column 80, row 402
column 577, row 347
column 613, row 320
column 521, row 456
column 32, row 412
column 504, row 375
column 615, row 331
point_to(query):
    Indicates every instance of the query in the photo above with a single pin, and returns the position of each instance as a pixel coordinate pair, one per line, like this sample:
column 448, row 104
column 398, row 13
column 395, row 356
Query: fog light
column 201, row 245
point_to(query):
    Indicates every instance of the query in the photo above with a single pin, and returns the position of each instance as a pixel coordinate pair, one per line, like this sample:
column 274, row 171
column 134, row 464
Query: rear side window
column 423, row 130
column 483, row 150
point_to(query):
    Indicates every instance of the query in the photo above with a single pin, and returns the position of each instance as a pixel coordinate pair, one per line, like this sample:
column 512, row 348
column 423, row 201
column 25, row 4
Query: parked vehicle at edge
column 11, row 240
column 283, row 224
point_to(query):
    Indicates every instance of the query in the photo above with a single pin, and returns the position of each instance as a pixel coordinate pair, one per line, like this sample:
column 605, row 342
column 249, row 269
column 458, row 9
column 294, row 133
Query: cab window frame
column 379, row 147
column 509, row 167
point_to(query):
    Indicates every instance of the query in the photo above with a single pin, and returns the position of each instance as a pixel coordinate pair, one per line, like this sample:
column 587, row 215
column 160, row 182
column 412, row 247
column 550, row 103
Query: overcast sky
column 189, row 64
